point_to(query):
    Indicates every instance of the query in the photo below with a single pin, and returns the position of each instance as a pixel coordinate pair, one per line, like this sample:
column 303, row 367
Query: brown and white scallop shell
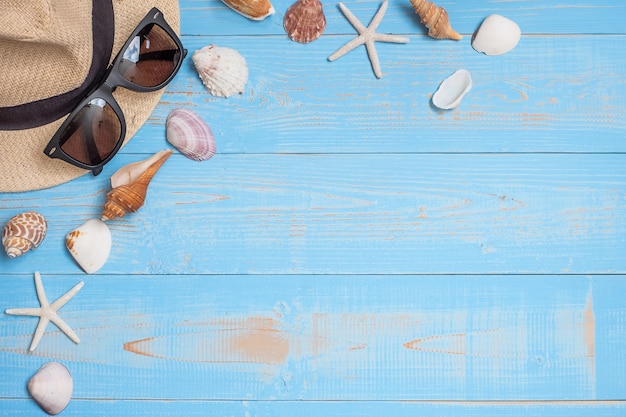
column 305, row 21
column 23, row 232
column 51, row 387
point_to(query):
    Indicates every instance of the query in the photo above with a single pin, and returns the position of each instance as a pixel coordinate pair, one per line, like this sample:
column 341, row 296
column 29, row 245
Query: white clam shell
column 51, row 387
column 452, row 90
column 223, row 71
column 496, row 35
column 90, row 245
column 189, row 133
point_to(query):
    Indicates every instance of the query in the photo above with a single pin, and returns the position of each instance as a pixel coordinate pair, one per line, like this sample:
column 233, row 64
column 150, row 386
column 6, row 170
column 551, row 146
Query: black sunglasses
column 95, row 130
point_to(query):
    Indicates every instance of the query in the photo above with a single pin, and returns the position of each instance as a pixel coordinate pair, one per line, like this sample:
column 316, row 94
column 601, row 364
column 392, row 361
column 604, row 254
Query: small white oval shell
column 452, row 90
column 90, row 245
column 190, row 134
column 224, row 72
column 496, row 35
column 51, row 387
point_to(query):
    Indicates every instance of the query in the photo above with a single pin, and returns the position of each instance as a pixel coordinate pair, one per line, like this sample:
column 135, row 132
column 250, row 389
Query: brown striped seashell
column 305, row 21
column 23, row 232
column 436, row 19
column 128, row 198
column 252, row 9
column 51, row 387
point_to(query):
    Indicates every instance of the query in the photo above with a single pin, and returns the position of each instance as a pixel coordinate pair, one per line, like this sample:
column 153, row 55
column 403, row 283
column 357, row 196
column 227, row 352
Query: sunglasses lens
column 151, row 57
column 92, row 134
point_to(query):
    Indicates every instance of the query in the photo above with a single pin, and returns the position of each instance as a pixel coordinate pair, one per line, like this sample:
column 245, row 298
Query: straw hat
column 52, row 53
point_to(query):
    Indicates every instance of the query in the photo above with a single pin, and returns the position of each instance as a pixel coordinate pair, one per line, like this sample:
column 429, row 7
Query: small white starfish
column 367, row 36
column 48, row 312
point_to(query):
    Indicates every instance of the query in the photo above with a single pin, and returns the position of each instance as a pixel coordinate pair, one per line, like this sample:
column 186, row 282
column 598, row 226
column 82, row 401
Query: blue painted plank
column 203, row 17
column 96, row 408
column 550, row 94
column 327, row 337
column 388, row 214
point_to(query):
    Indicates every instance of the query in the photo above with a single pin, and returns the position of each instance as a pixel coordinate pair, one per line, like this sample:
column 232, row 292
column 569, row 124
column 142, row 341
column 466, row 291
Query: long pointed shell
column 128, row 198
column 90, row 245
column 23, row 232
column 129, row 173
column 252, row 9
column 305, row 21
column 436, row 19
column 51, row 387
column 223, row 71
column 452, row 90
column 190, row 134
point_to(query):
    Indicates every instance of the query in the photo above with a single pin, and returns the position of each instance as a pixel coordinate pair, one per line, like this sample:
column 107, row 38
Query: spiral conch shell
column 223, row 71
column 252, row 9
column 51, row 387
column 23, row 232
column 130, row 185
column 305, row 21
column 436, row 19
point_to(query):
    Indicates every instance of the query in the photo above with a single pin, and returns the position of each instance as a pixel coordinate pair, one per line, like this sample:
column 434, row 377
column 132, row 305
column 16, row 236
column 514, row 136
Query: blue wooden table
column 352, row 250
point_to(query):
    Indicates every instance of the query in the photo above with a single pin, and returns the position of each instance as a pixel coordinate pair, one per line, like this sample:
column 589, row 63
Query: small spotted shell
column 305, row 21
column 23, row 232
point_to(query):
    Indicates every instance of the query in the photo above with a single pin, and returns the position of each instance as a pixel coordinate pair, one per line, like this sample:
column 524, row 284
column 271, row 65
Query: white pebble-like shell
column 90, row 245
column 189, row 133
column 51, row 387
column 496, row 35
column 452, row 90
column 223, row 71
column 23, row 232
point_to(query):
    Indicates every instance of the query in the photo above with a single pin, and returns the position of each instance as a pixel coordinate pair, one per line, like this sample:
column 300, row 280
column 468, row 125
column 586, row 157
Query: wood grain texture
column 351, row 250
column 356, row 214
column 328, row 337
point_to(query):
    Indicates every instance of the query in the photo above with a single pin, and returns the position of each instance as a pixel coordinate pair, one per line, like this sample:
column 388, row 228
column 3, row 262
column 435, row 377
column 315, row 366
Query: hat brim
column 23, row 165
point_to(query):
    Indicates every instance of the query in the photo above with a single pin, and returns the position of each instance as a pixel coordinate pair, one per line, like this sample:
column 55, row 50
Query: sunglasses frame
column 111, row 80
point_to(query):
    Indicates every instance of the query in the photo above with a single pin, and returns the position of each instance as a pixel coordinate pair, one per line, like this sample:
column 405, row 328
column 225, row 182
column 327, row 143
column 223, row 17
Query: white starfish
column 48, row 312
column 367, row 36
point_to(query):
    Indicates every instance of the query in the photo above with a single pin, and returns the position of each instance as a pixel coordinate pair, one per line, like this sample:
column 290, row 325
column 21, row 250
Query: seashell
column 304, row 21
column 496, row 35
column 51, row 387
column 252, row 9
column 452, row 90
column 131, row 172
column 188, row 133
column 23, row 232
column 436, row 19
column 90, row 245
column 129, row 197
column 223, row 71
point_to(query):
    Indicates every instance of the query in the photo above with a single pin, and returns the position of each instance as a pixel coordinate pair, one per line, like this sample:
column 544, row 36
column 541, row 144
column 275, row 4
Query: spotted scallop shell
column 305, row 21
column 23, row 232
column 223, row 71
column 188, row 133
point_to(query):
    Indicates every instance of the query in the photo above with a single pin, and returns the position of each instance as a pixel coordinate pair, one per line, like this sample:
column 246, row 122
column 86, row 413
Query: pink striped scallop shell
column 190, row 134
